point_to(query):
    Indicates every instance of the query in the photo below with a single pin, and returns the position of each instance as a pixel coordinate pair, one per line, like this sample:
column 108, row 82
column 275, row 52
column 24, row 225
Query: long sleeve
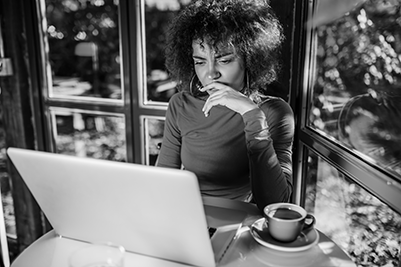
column 170, row 153
column 212, row 147
column 269, row 133
column 232, row 155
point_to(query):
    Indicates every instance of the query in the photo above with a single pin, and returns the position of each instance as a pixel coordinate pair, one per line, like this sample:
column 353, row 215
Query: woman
column 220, row 125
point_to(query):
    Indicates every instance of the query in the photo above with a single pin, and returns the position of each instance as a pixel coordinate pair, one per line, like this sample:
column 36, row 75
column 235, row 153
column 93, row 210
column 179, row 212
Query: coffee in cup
column 286, row 221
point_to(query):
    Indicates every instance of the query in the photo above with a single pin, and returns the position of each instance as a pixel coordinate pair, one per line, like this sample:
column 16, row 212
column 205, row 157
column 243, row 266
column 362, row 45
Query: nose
column 213, row 74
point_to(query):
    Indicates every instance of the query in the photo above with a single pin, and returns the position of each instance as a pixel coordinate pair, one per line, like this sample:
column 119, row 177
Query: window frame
column 383, row 185
column 134, row 103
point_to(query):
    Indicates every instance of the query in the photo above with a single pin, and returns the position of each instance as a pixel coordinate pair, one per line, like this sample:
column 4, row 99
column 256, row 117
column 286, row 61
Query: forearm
column 270, row 183
column 270, row 166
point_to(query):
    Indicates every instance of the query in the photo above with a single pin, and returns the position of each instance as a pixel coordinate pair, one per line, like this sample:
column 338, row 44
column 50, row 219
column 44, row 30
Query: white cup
column 286, row 221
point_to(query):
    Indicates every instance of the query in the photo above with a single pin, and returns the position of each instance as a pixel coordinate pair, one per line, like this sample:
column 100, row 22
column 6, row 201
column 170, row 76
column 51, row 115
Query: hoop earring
column 247, row 89
column 248, row 82
column 191, row 91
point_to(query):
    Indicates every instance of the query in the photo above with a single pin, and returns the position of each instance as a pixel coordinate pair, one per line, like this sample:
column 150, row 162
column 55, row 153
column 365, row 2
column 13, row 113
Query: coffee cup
column 286, row 221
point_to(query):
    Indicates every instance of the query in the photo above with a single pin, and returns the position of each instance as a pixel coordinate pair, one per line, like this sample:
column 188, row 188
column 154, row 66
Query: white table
column 52, row 251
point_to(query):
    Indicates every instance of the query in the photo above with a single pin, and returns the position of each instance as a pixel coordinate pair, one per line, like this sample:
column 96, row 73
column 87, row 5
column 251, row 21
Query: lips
column 225, row 83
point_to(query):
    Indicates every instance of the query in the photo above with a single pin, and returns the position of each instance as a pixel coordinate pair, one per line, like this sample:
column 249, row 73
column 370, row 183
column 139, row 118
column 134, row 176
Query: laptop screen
column 149, row 210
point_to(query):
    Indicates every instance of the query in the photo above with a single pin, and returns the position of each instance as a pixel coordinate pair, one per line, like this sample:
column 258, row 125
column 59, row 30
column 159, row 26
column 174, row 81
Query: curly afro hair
column 250, row 26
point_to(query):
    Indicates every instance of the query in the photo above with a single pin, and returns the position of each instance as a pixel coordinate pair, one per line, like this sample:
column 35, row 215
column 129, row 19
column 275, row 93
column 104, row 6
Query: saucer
column 303, row 242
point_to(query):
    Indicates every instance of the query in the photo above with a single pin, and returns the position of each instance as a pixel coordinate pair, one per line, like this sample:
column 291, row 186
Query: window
column 157, row 16
column 356, row 93
column 84, row 95
column 349, row 132
column 95, row 135
column 90, row 110
column 362, row 225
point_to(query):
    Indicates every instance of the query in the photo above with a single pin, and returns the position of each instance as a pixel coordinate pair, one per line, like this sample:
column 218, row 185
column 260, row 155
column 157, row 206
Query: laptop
column 149, row 210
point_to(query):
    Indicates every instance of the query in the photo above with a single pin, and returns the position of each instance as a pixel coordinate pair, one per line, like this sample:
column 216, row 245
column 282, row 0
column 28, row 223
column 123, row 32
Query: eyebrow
column 217, row 56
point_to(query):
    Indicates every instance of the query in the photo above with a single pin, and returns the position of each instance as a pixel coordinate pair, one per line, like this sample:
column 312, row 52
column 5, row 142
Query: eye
column 198, row 62
column 225, row 61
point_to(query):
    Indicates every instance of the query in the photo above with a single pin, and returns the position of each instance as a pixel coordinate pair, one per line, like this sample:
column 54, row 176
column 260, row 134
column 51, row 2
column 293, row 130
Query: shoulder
column 277, row 105
column 180, row 98
column 184, row 102
column 177, row 100
column 279, row 116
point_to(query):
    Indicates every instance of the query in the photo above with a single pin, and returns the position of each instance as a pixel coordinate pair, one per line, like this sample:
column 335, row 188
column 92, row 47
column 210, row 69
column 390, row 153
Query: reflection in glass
column 358, row 75
column 158, row 13
column 153, row 137
column 90, row 135
column 372, row 126
column 363, row 226
column 84, row 51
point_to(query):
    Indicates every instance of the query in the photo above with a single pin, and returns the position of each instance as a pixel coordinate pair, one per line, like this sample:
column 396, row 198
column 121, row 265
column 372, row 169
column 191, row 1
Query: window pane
column 357, row 89
column 158, row 13
column 84, row 48
column 363, row 226
column 153, row 136
column 90, row 135
column 5, row 185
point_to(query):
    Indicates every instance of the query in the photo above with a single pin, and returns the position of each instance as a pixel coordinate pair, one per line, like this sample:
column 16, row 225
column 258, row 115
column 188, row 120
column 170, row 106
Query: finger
column 207, row 107
column 213, row 100
column 212, row 86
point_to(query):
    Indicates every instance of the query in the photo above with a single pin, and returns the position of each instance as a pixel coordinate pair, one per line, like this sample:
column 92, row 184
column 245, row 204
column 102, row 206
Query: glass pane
column 158, row 13
column 357, row 89
column 90, row 135
column 153, row 135
column 363, row 226
column 84, row 48
column 5, row 185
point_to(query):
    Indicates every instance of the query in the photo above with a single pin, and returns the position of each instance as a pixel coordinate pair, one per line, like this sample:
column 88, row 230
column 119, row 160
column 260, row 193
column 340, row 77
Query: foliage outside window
column 5, row 183
column 357, row 85
column 356, row 101
column 153, row 137
column 158, row 14
column 90, row 135
column 84, row 48
column 363, row 226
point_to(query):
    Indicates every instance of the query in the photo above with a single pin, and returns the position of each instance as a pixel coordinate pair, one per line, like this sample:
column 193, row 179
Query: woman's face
column 223, row 66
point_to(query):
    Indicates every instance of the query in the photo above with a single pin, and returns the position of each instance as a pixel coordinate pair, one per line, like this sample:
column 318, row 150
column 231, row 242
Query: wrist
column 248, row 108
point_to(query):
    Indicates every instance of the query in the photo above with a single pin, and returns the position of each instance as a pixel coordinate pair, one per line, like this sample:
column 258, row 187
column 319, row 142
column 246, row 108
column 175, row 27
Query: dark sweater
column 232, row 155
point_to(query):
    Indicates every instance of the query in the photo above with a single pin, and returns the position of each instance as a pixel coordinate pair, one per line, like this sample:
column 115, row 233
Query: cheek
column 202, row 75
column 237, row 79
